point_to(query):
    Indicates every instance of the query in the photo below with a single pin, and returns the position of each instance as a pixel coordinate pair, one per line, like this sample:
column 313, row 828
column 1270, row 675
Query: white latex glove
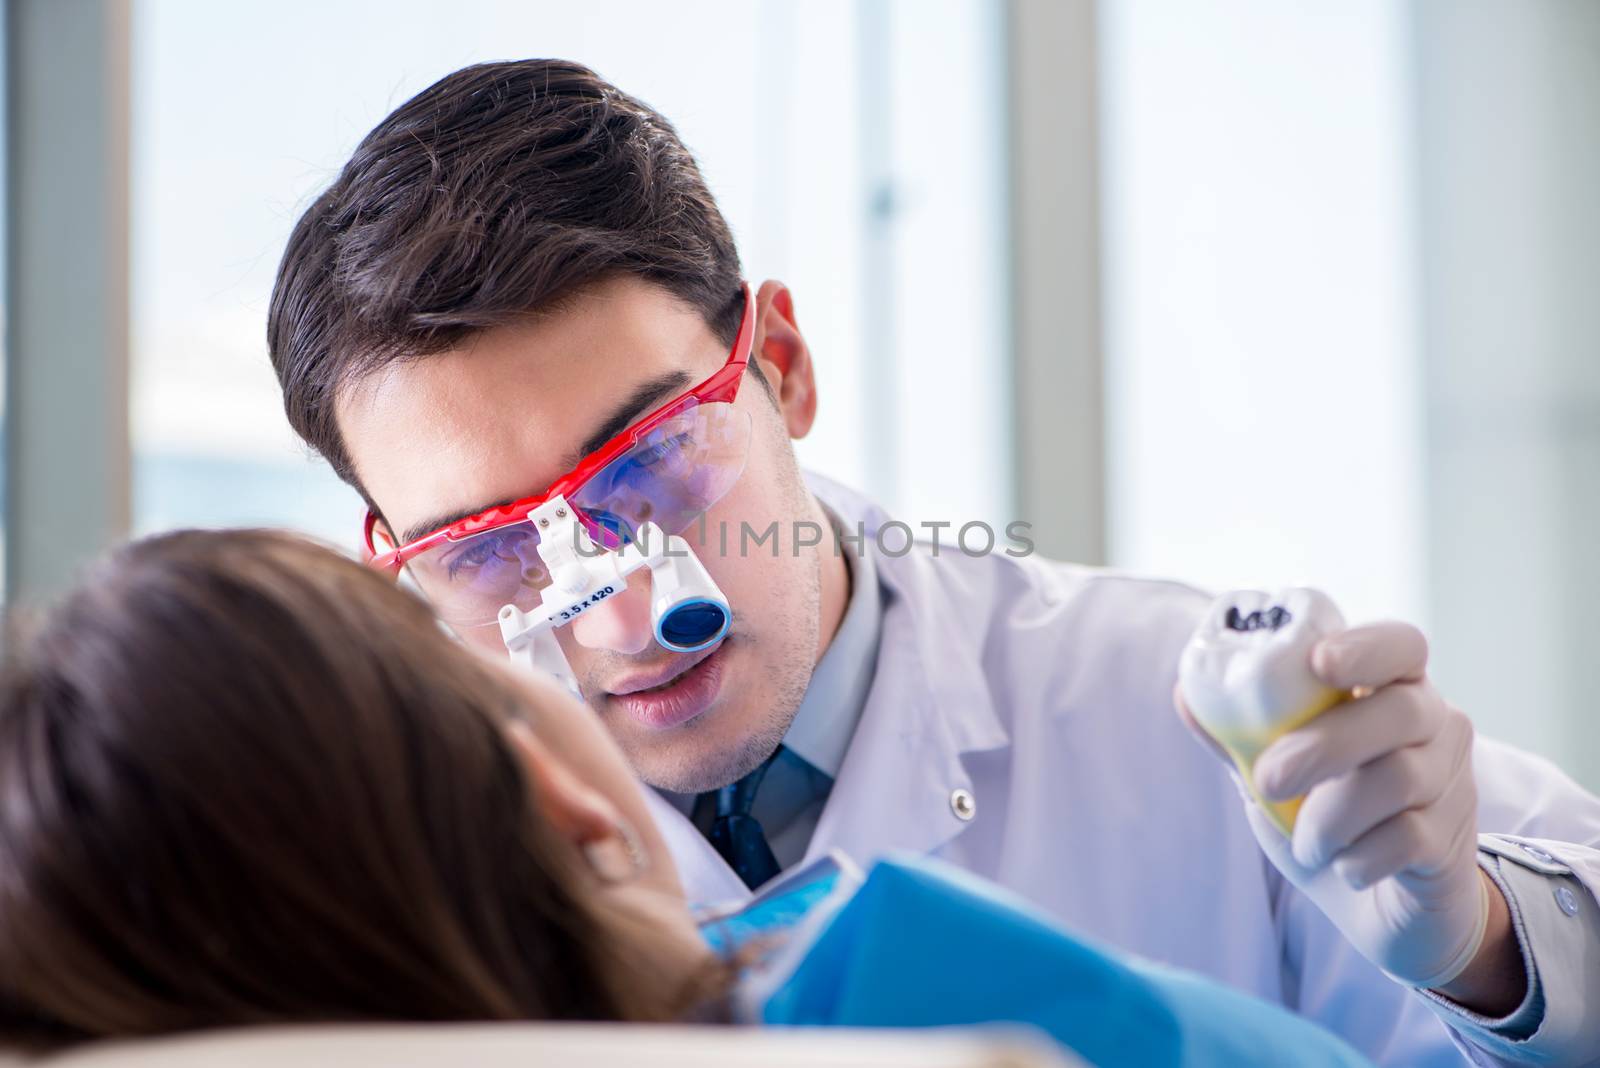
column 1385, row 841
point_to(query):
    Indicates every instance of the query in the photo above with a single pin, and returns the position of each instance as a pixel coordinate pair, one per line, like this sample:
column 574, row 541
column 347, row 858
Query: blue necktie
column 737, row 836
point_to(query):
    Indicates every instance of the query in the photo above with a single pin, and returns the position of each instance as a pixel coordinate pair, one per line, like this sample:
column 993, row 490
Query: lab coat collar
column 937, row 622
column 706, row 877
column 826, row 720
column 928, row 706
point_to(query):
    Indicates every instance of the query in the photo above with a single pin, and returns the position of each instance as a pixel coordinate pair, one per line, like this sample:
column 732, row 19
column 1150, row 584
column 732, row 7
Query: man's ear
column 784, row 359
column 577, row 813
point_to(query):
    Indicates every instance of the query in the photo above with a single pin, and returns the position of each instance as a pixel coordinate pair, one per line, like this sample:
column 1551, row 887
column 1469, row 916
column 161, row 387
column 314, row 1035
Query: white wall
column 1262, row 397
column 242, row 112
column 1508, row 119
column 1352, row 269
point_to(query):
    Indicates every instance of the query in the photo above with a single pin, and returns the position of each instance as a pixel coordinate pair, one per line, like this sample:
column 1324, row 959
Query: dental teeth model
column 1246, row 676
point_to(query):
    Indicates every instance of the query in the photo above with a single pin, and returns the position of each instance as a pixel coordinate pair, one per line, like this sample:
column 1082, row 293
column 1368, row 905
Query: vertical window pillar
column 66, row 292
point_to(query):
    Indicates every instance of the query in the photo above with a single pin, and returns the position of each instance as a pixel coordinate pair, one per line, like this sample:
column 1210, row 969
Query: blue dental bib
column 919, row 943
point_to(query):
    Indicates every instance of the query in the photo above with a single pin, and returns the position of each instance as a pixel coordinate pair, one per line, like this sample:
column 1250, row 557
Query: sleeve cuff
column 1557, row 924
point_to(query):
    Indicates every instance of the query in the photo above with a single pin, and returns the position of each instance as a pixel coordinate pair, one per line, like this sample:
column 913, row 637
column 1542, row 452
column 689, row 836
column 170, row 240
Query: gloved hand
column 1385, row 842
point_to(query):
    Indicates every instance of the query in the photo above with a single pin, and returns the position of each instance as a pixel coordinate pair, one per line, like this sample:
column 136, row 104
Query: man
column 522, row 263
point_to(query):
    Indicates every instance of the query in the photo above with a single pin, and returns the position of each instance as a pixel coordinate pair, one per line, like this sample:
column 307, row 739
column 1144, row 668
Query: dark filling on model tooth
column 1269, row 619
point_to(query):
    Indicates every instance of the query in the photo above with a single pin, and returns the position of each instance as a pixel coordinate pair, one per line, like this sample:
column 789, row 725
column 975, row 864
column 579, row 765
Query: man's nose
column 621, row 622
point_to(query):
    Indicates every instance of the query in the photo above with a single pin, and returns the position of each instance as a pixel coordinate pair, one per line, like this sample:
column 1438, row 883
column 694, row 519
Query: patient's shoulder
column 902, row 951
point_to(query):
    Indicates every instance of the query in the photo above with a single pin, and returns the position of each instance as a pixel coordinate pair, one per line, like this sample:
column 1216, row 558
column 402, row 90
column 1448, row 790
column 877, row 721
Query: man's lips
column 646, row 680
column 670, row 698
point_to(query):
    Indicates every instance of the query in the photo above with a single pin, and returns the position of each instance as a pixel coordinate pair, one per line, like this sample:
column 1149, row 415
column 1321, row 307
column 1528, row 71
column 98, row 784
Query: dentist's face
column 499, row 419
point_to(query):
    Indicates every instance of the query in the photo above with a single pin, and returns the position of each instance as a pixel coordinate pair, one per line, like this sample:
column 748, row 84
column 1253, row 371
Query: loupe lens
column 692, row 625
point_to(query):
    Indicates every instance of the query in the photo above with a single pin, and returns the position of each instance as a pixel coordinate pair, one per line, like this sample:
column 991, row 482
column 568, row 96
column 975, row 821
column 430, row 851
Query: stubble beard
column 780, row 686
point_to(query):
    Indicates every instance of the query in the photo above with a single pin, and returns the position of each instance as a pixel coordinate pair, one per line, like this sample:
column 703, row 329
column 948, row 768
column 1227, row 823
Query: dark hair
column 245, row 780
column 492, row 194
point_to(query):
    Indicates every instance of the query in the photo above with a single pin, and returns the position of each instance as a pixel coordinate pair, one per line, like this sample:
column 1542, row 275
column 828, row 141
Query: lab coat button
column 1538, row 854
column 963, row 804
column 1567, row 900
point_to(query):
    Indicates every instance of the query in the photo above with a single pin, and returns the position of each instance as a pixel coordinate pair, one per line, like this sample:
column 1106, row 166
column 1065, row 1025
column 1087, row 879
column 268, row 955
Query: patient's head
column 244, row 780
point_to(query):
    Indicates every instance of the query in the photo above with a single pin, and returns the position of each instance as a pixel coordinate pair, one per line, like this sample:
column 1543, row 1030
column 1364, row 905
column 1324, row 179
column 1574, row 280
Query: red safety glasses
column 668, row 468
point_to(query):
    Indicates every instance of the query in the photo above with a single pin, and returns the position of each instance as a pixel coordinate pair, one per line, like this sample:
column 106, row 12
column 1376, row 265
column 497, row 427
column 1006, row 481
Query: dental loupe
column 687, row 610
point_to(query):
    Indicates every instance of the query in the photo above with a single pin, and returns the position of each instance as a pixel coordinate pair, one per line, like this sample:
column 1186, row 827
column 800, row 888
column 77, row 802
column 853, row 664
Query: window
column 1263, row 411
column 823, row 129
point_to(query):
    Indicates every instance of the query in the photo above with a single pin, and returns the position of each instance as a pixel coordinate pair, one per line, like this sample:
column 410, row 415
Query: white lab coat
column 1045, row 690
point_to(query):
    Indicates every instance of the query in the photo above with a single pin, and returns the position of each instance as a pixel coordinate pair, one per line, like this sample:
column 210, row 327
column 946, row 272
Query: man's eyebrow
column 431, row 525
column 641, row 400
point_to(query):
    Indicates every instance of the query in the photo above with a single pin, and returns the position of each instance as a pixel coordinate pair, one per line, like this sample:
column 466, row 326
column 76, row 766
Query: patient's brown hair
column 217, row 808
